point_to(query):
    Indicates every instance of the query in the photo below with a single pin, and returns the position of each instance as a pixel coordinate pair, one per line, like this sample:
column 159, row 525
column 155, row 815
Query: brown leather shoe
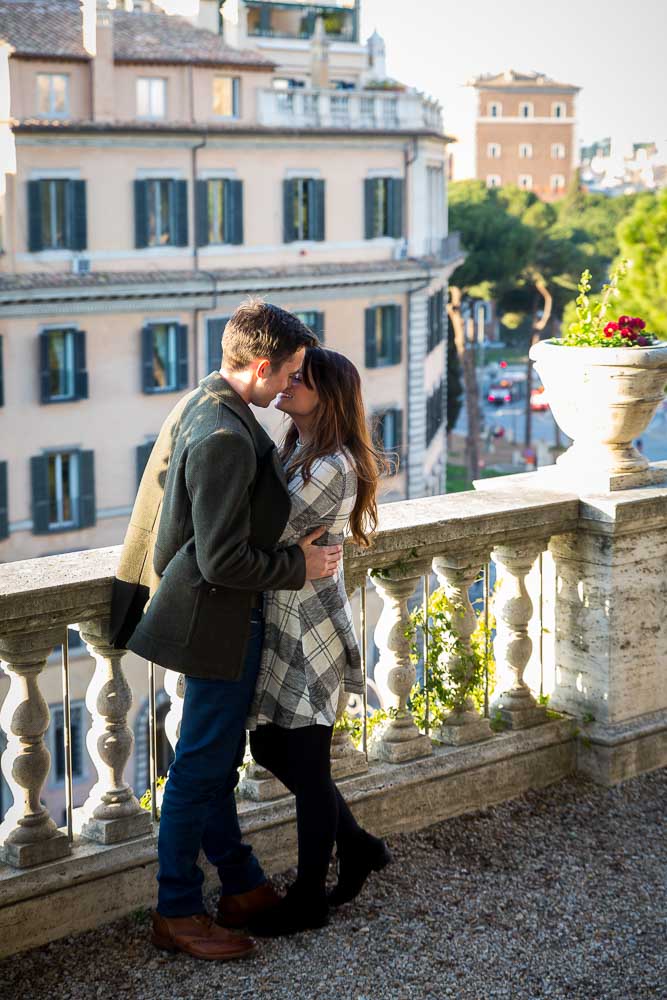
column 236, row 911
column 199, row 936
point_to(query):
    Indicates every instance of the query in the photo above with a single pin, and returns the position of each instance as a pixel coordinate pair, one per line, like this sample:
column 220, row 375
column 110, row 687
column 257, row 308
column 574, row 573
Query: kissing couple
column 231, row 573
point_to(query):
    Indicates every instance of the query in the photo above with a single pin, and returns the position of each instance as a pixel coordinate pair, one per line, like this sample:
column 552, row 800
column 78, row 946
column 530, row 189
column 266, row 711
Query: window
column 495, row 109
column 226, row 96
column 164, row 357
column 303, row 209
column 63, row 491
column 53, row 94
column 435, row 412
column 558, row 151
column 4, row 516
column 493, row 150
column 557, row 182
column 525, row 150
column 56, row 741
column 390, row 112
column 215, row 327
column 314, row 320
column 559, row 109
column 525, row 109
column 493, row 180
column 151, row 97
column 389, row 429
column 161, row 213
column 63, row 375
column 143, row 454
column 383, row 207
column 219, row 207
column 526, row 181
column 340, row 109
column 56, row 214
column 383, row 336
column 436, row 319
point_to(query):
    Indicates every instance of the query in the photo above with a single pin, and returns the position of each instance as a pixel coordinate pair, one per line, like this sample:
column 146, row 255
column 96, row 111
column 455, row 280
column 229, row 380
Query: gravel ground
column 558, row 894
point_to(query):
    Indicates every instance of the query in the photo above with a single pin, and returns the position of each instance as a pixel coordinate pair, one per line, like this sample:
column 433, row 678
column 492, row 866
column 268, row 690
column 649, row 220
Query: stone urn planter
column 603, row 398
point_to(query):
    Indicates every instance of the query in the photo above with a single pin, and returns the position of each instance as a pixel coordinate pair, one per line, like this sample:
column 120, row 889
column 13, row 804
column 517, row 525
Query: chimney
column 235, row 23
column 319, row 57
column 377, row 59
column 97, row 17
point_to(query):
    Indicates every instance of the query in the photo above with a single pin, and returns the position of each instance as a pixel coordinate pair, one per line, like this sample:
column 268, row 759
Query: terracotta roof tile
column 43, row 28
column 512, row 79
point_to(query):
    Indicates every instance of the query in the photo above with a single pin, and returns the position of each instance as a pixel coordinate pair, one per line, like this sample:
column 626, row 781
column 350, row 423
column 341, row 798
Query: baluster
column 513, row 646
column 456, row 573
column 111, row 812
column 174, row 686
column 28, row 835
column 398, row 738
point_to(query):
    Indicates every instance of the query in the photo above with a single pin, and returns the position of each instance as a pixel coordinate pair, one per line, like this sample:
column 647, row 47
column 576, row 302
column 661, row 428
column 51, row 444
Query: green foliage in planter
column 453, row 671
column 589, row 327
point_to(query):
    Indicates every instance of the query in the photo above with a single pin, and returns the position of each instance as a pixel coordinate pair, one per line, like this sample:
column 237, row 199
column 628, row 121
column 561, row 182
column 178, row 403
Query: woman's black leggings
column 301, row 759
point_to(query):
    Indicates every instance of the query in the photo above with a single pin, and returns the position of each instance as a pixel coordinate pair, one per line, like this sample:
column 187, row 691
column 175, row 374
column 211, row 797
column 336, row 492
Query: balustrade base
column 400, row 751
column 348, row 764
column 523, row 718
column 462, row 733
column 259, row 785
column 613, row 752
column 113, row 831
column 38, row 853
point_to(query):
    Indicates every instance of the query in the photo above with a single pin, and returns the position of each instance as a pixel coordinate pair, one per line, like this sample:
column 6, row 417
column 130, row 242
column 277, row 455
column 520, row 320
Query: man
column 211, row 507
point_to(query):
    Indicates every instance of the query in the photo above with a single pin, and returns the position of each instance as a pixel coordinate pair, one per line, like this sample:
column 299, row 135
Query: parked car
column 538, row 399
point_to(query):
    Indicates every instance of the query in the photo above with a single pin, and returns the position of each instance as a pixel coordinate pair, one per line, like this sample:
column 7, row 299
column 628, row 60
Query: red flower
column 624, row 320
column 637, row 323
column 608, row 333
column 642, row 341
column 626, row 332
column 610, row 329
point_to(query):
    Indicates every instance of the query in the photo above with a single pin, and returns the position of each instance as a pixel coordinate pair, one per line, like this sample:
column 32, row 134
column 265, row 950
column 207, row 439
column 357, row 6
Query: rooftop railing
column 569, row 571
column 352, row 109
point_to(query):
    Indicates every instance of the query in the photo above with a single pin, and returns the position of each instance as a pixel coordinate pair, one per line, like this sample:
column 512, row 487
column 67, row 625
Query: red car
column 538, row 399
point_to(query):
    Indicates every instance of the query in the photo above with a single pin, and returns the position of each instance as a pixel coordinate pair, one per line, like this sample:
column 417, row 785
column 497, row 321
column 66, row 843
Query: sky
column 614, row 50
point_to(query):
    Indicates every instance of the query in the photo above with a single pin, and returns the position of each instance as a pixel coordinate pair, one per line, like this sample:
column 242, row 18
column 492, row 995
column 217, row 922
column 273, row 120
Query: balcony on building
column 382, row 108
column 297, row 20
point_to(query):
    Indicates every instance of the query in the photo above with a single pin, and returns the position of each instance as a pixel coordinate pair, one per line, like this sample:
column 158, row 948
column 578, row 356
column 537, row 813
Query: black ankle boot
column 299, row 910
column 355, row 863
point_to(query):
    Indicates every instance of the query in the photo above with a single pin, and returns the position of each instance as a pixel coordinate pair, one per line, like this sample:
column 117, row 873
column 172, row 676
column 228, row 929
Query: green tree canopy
column 642, row 237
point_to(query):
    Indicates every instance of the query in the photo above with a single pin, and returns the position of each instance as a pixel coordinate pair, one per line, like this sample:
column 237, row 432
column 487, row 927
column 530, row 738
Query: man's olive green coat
column 210, row 509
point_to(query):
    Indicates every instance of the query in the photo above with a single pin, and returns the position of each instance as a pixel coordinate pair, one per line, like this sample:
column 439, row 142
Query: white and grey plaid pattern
column 310, row 648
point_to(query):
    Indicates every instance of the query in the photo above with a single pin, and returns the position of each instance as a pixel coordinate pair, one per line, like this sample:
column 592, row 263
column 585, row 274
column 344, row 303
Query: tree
column 642, row 237
column 497, row 246
column 454, row 383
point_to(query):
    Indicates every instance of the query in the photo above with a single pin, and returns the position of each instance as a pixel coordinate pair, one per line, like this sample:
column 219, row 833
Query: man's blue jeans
column 199, row 807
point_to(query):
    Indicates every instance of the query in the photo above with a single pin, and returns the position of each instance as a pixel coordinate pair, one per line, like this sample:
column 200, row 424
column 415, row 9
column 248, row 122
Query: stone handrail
column 363, row 109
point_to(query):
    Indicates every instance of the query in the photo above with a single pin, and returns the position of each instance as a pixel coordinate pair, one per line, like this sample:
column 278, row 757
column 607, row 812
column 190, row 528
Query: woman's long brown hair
column 339, row 425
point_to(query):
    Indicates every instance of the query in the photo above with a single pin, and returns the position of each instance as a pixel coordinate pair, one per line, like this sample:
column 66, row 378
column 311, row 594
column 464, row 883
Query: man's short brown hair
column 260, row 330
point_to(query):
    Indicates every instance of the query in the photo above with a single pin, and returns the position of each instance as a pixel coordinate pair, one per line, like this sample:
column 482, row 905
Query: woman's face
column 298, row 400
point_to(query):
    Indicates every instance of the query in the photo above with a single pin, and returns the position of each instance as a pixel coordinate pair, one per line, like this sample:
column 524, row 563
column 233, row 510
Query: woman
column 310, row 649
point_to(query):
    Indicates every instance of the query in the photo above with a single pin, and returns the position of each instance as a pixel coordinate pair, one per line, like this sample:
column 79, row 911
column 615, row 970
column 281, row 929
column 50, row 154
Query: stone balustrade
column 350, row 109
column 603, row 598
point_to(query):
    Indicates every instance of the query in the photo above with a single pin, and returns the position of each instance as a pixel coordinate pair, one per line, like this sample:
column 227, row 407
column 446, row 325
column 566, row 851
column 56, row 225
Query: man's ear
column 263, row 368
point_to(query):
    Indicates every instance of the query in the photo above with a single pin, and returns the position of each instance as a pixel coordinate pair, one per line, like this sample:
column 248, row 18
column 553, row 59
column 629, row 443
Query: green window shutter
column 395, row 206
column 86, row 489
column 201, row 213
column 316, row 193
column 319, row 326
column 143, row 454
column 398, row 427
column 180, row 228
column 140, row 214
column 147, row 377
column 214, row 330
column 234, row 211
column 369, row 208
column 76, row 195
column 182, row 355
column 39, row 479
column 393, row 314
column 2, row 380
column 289, row 229
column 80, row 372
column 35, row 237
column 371, row 342
column 44, row 373
column 4, row 519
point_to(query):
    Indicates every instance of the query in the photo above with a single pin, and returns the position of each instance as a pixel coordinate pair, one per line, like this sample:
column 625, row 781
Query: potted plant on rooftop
column 604, row 380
